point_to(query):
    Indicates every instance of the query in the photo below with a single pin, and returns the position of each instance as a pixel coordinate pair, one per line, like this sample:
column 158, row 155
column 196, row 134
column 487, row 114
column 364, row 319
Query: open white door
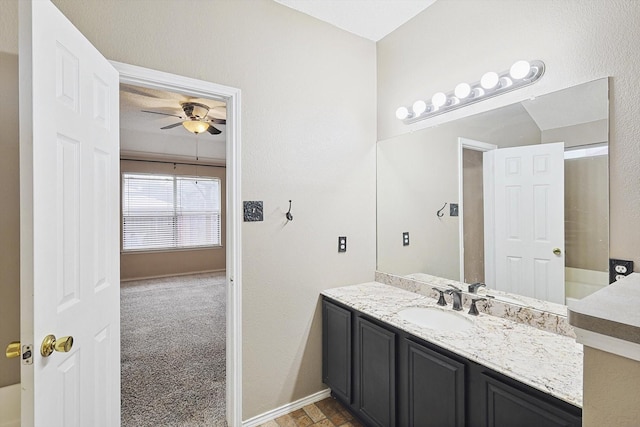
column 524, row 214
column 69, row 149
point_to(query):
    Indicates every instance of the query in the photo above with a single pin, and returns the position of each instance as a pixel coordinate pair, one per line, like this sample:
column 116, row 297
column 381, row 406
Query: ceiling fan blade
column 218, row 121
column 164, row 114
column 171, row 126
column 213, row 131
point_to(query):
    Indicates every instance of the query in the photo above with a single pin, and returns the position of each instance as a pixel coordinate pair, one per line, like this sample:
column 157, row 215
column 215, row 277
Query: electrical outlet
column 342, row 244
column 618, row 268
column 405, row 238
column 453, row 209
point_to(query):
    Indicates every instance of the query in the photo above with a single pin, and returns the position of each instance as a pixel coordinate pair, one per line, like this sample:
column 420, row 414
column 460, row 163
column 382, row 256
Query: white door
column 525, row 211
column 69, row 146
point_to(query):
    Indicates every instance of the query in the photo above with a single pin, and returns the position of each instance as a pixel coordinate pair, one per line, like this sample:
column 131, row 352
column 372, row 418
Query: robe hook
column 288, row 214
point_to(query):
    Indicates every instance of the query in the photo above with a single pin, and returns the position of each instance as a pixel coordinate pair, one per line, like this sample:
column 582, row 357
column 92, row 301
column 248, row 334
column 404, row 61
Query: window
column 162, row 212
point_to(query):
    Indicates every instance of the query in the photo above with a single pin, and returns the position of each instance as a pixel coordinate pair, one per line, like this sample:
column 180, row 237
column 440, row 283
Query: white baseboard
column 285, row 409
column 172, row 275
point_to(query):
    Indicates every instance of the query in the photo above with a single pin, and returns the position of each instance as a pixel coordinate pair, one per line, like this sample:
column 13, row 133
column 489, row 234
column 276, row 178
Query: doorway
column 471, row 208
column 172, row 260
column 146, row 78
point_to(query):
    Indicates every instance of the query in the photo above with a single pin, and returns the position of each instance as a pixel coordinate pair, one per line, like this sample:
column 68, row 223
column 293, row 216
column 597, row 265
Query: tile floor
column 325, row 413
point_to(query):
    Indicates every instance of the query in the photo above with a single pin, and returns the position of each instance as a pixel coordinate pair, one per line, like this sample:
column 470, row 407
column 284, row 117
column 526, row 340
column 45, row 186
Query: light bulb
column 439, row 99
column 489, row 80
column 419, row 107
column 402, row 113
column 520, row 70
column 462, row 90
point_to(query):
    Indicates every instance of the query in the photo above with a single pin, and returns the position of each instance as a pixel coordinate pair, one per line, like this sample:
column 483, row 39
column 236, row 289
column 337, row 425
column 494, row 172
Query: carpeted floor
column 173, row 351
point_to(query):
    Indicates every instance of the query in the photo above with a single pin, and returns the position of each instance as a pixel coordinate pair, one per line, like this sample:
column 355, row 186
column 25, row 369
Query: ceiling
column 371, row 19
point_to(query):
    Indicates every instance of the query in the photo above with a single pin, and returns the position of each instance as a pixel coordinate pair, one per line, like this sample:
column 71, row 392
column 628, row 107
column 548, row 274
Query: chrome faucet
column 456, row 295
column 474, row 287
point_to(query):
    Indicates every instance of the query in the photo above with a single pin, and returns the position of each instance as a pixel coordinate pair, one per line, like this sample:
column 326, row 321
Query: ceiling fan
column 195, row 119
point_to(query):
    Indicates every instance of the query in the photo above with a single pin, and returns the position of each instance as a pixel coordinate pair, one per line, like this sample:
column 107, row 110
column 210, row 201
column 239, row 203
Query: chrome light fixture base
column 491, row 84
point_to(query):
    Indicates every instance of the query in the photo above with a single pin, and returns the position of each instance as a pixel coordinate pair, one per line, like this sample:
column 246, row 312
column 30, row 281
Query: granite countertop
column 612, row 311
column 546, row 361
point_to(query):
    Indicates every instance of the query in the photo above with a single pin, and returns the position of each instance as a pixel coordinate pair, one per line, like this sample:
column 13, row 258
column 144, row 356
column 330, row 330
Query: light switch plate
column 405, row 238
column 342, row 244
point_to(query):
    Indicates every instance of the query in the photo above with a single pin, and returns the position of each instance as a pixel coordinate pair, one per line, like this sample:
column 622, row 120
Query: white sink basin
column 433, row 318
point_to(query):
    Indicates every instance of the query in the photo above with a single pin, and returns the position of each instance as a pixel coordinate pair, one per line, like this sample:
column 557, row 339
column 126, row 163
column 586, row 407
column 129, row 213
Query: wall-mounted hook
column 288, row 214
column 440, row 214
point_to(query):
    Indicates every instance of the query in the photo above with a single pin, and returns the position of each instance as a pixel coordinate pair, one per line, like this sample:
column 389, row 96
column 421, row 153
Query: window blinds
column 169, row 212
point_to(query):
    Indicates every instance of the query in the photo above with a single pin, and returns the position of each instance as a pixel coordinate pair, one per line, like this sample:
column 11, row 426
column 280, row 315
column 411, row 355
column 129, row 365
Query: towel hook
column 288, row 214
column 440, row 214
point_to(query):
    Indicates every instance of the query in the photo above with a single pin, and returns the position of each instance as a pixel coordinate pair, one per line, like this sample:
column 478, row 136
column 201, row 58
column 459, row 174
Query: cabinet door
column 336, row 350
column 434, row 388
column 375, row 374
column 507, row 407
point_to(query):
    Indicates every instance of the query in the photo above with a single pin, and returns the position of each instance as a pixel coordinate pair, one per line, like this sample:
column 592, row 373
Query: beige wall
column 9, row 217
column 169, row 263
column 610, row 390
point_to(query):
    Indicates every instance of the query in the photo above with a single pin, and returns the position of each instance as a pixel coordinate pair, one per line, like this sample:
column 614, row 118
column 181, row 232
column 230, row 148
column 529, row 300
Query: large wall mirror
column 516, row 198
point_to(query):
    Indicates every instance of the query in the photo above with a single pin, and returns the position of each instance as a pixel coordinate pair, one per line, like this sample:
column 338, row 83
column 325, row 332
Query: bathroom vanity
column 489, row 371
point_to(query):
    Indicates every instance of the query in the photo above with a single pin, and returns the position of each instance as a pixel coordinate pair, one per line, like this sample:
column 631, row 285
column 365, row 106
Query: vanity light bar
column 521, row 73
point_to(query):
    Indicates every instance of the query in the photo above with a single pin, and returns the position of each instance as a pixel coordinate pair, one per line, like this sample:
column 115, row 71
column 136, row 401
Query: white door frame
column 139, row 76
column 469, row 144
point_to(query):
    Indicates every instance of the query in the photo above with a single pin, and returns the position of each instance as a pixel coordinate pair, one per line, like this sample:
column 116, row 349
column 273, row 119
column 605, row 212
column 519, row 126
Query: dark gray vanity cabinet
column 375, row 374
column 508, row 406
column 390, row 378
column 432, row 387
column 336, row 350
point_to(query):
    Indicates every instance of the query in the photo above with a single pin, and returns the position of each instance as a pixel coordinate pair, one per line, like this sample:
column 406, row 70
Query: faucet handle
column 473, row 310
column 474, row 287
column 441, row 300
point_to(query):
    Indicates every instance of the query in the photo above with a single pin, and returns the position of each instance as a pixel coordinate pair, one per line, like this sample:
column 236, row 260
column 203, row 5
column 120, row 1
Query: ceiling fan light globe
column 195, row 126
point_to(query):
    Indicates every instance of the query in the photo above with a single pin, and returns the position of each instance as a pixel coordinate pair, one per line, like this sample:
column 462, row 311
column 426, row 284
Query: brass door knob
column 50, row 343
column 557, row 251
column 13, row 350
